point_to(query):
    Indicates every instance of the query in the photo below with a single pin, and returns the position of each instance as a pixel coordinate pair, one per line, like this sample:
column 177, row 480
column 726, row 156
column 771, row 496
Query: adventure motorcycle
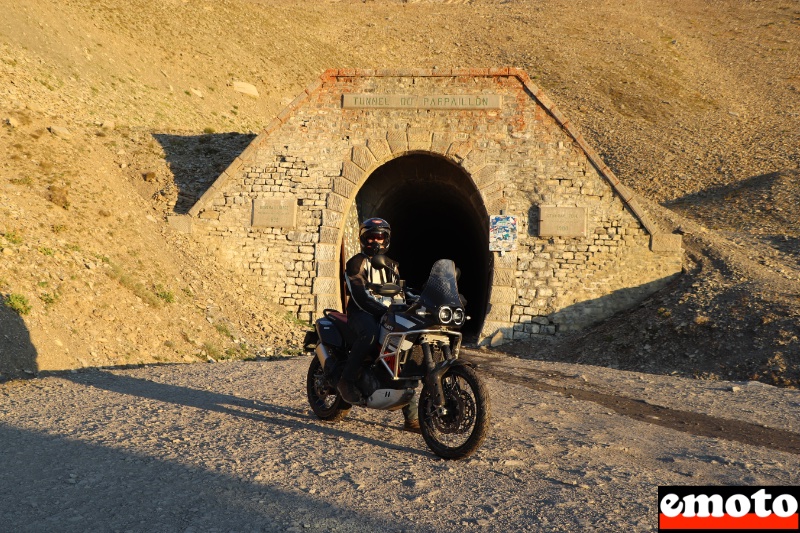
column 419, row 341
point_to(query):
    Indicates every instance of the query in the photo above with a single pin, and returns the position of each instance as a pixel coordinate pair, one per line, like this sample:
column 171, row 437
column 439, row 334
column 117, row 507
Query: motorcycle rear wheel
column 324, row 398
column 461, row 430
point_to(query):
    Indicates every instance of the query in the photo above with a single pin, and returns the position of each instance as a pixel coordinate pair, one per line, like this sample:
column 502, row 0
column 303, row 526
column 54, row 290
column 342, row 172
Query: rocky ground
column 234, row 447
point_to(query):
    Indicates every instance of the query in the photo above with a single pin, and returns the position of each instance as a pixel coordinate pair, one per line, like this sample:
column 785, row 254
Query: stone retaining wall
column 521, row 157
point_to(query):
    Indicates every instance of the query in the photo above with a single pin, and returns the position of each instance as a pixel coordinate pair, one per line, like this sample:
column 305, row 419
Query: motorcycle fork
column 433, row 375
column 446, row 351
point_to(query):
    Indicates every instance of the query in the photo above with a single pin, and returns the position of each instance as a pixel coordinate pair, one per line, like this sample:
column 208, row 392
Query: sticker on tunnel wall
column 502, row 233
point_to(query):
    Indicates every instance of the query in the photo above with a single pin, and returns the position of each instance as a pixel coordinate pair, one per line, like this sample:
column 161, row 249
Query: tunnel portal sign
column 562, row 221
column 274, row 213
column 429, row 101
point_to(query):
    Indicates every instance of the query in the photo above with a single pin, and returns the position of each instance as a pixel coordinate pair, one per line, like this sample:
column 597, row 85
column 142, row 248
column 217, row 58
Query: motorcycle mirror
column 380, row 261
column 389, row 289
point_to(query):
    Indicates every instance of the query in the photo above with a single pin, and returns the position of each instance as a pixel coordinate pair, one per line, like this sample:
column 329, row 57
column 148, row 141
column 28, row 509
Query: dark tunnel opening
column 436, row 213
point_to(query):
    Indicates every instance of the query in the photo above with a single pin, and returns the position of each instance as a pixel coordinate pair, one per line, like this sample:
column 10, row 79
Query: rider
column 365, row 308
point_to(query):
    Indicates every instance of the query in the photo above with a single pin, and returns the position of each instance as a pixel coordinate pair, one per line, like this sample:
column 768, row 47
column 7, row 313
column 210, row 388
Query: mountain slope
column 692, row 104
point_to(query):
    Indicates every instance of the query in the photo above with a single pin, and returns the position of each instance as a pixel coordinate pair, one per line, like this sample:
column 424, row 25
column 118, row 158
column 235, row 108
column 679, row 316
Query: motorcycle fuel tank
column 396, row 322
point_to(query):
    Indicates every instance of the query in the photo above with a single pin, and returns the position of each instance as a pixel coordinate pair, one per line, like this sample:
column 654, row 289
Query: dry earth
column 115, row 115
column 201, row 448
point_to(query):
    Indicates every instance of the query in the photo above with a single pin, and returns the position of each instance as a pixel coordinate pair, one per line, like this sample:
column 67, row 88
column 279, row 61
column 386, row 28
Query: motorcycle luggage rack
column 390, row 355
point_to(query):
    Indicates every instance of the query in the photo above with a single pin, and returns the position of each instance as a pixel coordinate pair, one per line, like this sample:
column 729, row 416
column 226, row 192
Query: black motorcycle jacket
column 361, row 277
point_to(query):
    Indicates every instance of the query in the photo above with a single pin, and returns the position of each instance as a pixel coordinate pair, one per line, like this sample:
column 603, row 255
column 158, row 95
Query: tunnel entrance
column 435, row 152
column 436, row 213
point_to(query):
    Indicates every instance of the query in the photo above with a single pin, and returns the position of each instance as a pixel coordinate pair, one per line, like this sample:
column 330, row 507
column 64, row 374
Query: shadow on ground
column 641, row 411
column 18, row 355
column 763, row 206
column 226, row 404
column 196, row 161
column 93, row 480
column 85, row 486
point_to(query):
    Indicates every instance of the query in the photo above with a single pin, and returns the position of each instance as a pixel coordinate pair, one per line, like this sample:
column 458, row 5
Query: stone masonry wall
column 520, row 157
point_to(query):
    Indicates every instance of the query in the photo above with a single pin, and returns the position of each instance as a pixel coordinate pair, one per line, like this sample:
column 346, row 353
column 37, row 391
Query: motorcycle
column 419, row 341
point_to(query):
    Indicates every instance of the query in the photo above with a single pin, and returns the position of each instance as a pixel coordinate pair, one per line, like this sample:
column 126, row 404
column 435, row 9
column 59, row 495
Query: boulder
column 60, row 131
column 245, row 88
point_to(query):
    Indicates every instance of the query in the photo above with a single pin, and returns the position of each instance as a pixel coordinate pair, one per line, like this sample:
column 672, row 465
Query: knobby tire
column 464, row 392
column 323, row 398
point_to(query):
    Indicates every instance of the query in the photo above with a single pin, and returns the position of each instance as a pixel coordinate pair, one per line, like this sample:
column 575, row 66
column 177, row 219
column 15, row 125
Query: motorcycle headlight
column 445, row 314
column 458, row 316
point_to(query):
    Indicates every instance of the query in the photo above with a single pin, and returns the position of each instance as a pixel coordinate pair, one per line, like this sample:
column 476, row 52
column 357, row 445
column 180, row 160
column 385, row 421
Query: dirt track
column 234, row 447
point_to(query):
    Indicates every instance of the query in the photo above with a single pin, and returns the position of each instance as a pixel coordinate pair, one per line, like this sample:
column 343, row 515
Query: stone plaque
column 274, row 213
column 563, row 221
column 429, row 101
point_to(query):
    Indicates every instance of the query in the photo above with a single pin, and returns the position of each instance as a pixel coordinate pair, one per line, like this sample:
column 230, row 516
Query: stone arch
column 478, row 187
column 436, row 212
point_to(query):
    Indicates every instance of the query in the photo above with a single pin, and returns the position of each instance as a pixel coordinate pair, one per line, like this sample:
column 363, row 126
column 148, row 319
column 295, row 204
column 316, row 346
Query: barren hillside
column 107, row 107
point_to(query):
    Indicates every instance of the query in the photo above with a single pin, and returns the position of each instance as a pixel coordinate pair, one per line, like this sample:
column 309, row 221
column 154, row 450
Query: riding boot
column 411, row 415
column 347, row 383
column 365, row 326
column 349, row 392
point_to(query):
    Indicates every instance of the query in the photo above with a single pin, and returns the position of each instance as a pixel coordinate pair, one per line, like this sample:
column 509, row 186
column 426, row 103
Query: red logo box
column 740, row 509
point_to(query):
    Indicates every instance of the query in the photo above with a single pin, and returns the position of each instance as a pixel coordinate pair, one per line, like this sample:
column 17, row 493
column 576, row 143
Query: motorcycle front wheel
column 324, row 398
column 459, row 429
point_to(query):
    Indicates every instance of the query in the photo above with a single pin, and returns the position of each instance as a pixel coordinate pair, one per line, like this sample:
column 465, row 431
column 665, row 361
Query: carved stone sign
column 429, row 101
column 274, row 213
column 562, row 221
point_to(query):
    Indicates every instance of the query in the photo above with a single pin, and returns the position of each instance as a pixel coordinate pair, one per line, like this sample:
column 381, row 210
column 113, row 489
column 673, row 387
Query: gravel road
column 234, row 447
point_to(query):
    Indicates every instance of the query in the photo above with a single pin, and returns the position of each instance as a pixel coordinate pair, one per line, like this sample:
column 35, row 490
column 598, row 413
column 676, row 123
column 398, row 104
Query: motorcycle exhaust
column 322, row 354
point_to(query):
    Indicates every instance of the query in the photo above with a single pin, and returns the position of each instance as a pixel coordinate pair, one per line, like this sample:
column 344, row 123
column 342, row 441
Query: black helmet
column 374, row 226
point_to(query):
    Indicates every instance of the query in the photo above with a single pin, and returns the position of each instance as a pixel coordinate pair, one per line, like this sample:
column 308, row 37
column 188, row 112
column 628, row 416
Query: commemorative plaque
column 562, row 221
column 274, row 213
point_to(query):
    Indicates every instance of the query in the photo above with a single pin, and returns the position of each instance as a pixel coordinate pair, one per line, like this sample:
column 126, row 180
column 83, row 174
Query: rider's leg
column 411, row 414
column 365, row 326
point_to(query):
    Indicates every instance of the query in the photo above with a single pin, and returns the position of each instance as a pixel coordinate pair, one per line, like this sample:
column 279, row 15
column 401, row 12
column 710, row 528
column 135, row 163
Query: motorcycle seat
column 336, row 316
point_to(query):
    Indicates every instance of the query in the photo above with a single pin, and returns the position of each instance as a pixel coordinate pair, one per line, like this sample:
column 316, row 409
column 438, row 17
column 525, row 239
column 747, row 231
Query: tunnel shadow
column 230, row 405
column 591, row 327
column 750, row 206
column 18, row 355
column 657, row 332
column 589, row 314
column 750, row 188
column 54, row 483
column 196, row 161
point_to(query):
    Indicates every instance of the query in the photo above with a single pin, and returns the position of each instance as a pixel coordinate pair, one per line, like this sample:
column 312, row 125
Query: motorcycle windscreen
column 441, row 288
